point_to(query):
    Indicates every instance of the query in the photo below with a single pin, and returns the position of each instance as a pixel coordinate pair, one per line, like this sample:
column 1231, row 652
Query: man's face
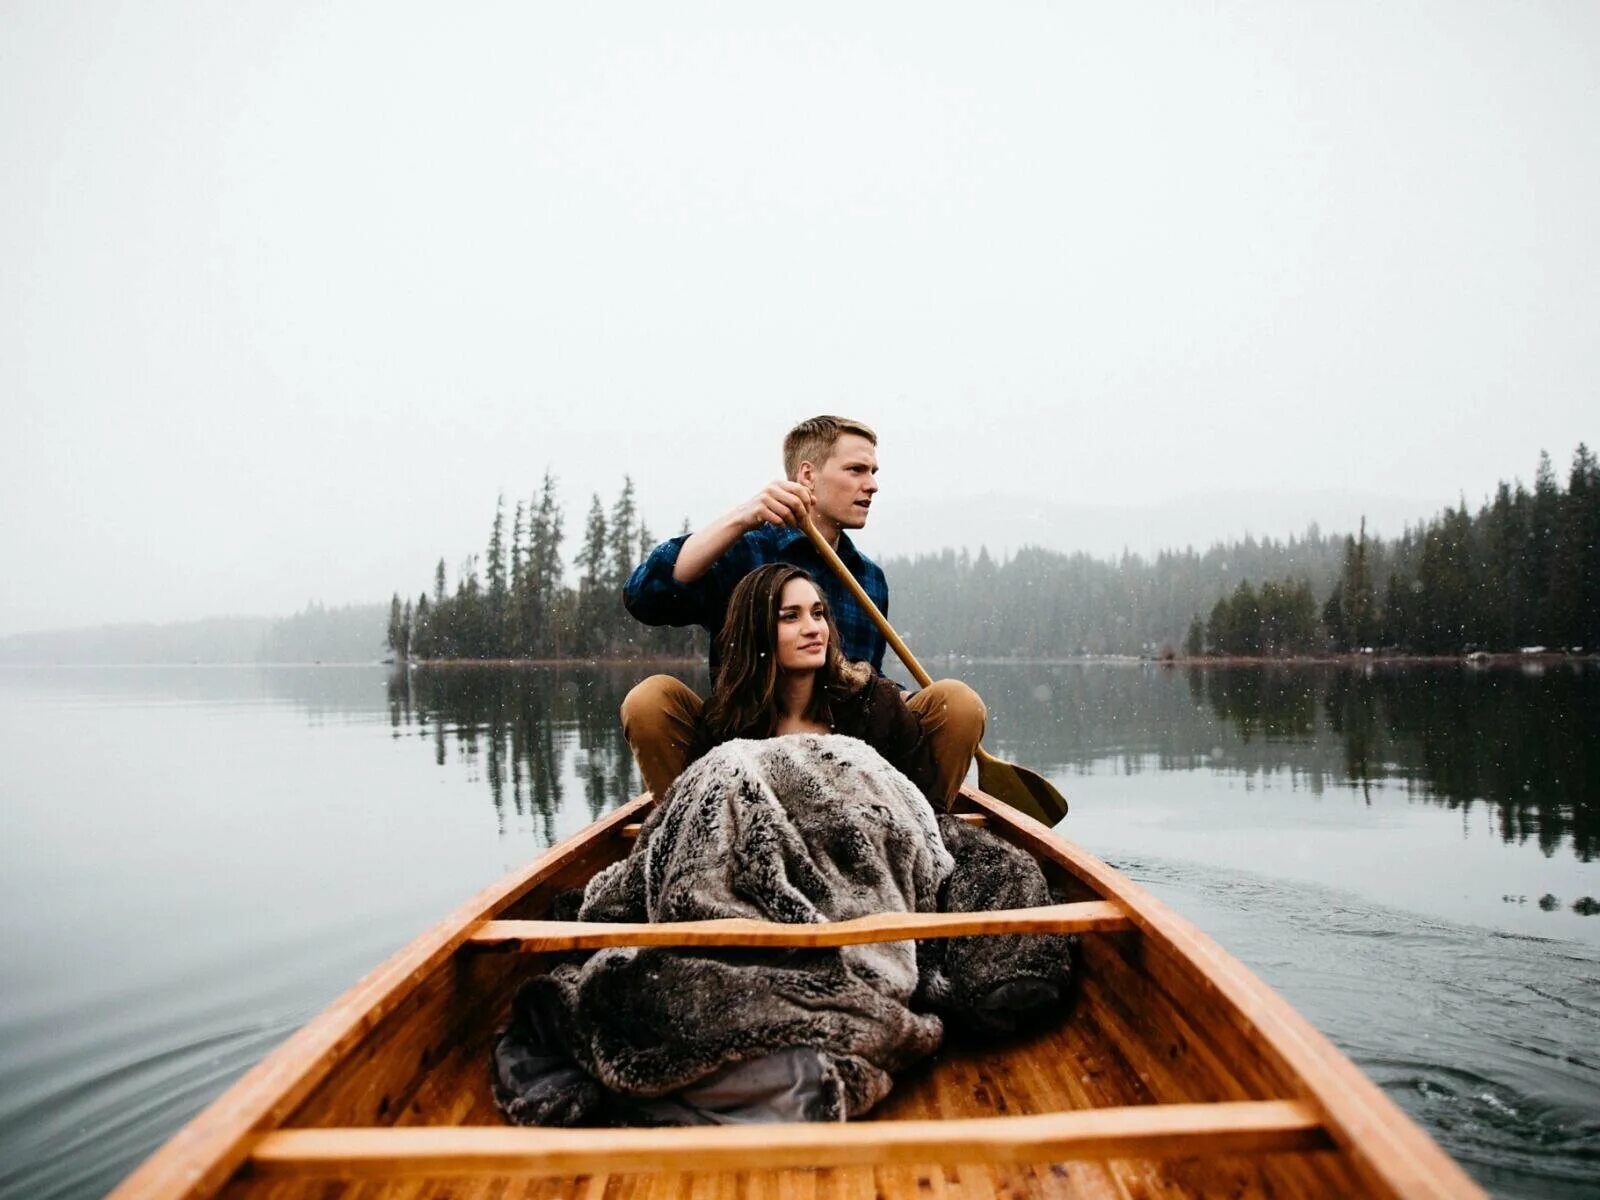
column 845, row 484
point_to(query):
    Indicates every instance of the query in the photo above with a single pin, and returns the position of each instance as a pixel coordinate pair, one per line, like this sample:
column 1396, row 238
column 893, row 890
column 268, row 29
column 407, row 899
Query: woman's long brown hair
column 744, row 697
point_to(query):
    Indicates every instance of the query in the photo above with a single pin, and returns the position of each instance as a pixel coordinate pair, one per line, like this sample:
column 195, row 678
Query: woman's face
column 802, row 627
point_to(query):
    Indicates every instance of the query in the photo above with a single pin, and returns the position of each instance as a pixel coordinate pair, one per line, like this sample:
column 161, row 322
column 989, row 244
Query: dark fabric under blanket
column 992, row 986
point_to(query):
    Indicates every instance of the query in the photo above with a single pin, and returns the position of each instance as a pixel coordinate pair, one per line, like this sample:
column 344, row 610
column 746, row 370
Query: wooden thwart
column 1093, row 916
column 978, row 819
column 1153, row 1131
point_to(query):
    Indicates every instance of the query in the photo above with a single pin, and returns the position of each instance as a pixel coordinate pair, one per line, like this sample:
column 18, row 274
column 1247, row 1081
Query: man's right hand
column 781, row 502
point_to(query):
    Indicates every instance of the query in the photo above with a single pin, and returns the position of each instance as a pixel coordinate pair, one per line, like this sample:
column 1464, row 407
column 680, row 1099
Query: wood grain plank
column 978, row 819
column 1139, row 1131
column 541, row 936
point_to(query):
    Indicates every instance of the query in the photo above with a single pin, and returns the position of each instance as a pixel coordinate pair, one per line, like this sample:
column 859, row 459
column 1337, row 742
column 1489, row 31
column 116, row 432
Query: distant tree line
column 518, row 604
column 1523, row 570
column 1280, row 619
column 1046, row 604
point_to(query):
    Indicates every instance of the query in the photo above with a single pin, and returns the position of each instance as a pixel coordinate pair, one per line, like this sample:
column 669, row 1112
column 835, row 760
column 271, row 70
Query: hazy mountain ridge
column 1005, row 522
column 352, row 633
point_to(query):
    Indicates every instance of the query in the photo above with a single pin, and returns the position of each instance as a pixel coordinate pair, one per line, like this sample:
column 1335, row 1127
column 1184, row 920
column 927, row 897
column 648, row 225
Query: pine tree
column 552, row 611
column 1244, row 619
column 1571, row 549
column 1357, row 603
column 591, row 561
column 1302, row 617
column 1219, row 631
column 1194, row 644
column 1395, row 620
column 421, row 632
column 1333, row 619
column 516, row 602
column 1583, row 499
column 551, row 535
column 396, row 629
column 622, row 535
column 1544, row 515
column 499, row 590
column 1498, row 601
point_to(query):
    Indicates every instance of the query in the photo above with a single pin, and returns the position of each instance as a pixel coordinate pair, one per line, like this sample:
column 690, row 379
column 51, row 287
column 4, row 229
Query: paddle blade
column 1024, row 790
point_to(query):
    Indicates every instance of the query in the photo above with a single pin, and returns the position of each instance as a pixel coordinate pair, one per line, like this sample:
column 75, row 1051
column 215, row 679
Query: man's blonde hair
column 812, row 441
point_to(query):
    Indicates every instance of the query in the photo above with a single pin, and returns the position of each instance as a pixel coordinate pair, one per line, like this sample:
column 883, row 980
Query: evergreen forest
column 1522, row 570
column 515, row 602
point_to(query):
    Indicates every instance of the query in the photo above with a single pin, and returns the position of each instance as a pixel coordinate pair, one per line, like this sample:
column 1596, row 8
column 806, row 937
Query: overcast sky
column 289, row 292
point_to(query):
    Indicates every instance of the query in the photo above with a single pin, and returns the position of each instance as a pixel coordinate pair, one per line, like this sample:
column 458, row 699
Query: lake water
column 196, row 860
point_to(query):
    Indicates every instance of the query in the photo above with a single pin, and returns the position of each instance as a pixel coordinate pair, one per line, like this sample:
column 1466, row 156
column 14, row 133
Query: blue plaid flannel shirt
column 656, row 598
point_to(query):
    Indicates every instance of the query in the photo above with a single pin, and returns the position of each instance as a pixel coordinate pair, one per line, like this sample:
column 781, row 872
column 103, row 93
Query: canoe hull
column 1178, row 1074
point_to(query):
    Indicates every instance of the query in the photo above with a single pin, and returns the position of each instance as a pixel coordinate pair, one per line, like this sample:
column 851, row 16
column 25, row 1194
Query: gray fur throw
column 797, row 829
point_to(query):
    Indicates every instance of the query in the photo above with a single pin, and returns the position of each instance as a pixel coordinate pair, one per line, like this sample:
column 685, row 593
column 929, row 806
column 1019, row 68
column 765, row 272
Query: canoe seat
column 631, row 830
column 1147, row 1130
column 1089, row 916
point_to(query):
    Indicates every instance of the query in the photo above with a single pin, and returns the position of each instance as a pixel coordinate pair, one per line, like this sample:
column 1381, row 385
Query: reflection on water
column 506, row 721
column 1525, row 746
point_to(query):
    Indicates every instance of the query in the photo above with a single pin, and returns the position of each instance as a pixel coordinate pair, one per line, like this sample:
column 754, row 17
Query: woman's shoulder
column 857, row 677
column 871, row 701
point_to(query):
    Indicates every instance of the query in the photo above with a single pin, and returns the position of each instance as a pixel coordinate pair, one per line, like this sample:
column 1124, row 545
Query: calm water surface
column 197, row 860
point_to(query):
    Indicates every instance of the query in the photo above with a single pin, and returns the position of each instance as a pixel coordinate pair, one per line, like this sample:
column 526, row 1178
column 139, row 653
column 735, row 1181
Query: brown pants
column 658, row 719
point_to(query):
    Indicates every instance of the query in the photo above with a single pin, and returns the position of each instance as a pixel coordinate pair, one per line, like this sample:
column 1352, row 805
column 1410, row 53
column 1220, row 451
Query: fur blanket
column 799, row 829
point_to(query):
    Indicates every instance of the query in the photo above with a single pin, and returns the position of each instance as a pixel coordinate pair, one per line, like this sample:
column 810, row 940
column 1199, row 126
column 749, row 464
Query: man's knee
column 659, row 704
column 651, row 702
column 951, row 709
column 954, row 704
column 964, row 711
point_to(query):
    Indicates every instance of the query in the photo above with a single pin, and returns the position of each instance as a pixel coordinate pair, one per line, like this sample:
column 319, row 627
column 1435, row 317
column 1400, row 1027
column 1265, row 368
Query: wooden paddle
column 1024, row 790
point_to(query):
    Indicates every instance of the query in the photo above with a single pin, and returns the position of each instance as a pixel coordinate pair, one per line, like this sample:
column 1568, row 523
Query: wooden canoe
column 1178, row 1074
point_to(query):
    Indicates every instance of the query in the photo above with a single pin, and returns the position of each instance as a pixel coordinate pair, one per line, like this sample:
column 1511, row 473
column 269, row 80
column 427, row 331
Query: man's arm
column 782, row 502
column 680, row 583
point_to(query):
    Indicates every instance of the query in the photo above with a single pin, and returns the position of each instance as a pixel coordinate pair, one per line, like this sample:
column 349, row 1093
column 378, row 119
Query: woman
column 781, row 673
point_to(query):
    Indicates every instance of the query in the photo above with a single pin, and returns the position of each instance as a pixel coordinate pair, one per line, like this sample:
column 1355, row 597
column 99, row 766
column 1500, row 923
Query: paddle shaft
column 850, row 581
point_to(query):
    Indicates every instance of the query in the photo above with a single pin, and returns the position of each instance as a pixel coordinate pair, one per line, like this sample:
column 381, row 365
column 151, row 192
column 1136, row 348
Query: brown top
column 876, row 713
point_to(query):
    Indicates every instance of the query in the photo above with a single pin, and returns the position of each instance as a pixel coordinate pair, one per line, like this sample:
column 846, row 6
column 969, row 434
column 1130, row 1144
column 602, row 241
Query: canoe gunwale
column 1387, row 1147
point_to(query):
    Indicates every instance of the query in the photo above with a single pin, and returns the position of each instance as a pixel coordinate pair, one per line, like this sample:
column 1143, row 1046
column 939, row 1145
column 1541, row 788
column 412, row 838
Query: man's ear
column 806, row 474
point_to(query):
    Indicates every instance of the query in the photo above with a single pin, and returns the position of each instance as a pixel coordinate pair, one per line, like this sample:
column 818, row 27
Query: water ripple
column 1421, row 1006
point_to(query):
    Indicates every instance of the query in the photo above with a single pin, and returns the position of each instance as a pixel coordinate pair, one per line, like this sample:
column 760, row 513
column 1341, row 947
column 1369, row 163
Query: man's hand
column 781, row 502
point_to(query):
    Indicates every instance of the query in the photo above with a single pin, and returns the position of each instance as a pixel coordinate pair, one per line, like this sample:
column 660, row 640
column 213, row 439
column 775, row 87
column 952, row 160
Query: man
column 831, row 467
